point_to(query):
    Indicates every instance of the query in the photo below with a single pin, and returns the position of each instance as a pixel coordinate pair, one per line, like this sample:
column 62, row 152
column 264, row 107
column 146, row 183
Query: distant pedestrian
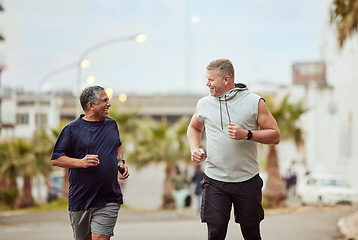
column 235, row 120
column 178, row 180
column 92, row 150
column 290, row 179
column 197, row 178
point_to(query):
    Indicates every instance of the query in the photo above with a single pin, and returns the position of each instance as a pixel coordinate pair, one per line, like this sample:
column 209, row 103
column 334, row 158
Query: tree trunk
column 66, row 185
column 168, row 199
column 26, row 199
column 274, row 192
column 3, row 182
column 12, row 184
column 7, row 183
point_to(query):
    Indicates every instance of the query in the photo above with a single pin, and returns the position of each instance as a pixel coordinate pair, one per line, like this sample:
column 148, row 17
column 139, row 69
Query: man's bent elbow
column 277, row 138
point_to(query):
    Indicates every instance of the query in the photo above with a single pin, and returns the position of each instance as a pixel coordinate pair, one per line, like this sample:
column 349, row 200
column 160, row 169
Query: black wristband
column 249, row 135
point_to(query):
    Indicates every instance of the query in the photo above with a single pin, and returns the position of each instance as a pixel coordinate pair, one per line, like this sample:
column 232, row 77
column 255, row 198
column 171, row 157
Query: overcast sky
column 263, row 38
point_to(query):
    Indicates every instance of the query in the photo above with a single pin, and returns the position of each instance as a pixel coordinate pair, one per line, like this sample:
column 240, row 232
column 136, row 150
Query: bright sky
column 263, row 38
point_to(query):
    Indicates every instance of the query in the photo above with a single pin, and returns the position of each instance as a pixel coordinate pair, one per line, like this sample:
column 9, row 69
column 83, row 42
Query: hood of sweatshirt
column 227, row 96
column 231, row 93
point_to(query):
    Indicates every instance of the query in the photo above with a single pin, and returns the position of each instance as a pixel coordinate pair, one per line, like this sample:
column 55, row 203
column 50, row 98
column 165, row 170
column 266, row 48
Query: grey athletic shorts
column 99, row 220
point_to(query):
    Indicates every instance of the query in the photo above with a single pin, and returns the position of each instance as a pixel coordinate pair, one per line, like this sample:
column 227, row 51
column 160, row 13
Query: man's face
column 215, row 83
column 101, row 106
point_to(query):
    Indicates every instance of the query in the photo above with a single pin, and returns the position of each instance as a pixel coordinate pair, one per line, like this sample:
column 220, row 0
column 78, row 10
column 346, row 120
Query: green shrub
column 9, row 197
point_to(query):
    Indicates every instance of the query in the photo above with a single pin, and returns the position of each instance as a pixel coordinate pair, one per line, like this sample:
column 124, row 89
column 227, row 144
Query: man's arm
column 67, row 162
column 194, row 132
column 121, row 166
column 269, row 132
column 120, row 152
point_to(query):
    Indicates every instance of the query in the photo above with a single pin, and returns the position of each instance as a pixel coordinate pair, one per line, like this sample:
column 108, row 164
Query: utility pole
column 2, row 39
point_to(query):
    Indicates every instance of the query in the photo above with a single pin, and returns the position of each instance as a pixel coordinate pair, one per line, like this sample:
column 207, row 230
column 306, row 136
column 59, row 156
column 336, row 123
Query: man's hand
column 236, row 132
column 198, row 155
column 89, row 161
column 123, row 170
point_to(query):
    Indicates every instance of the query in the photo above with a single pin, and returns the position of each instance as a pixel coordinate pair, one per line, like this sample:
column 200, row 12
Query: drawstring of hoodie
column 227, row 111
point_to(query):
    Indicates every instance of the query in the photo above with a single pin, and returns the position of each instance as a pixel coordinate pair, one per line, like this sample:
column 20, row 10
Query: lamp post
column 1, row 68
column 193, row 19
column 84, row 63
column 55, row 72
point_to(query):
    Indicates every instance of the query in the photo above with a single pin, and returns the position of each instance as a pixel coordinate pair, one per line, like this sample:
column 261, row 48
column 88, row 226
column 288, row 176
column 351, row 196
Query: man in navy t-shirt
column 92, row 150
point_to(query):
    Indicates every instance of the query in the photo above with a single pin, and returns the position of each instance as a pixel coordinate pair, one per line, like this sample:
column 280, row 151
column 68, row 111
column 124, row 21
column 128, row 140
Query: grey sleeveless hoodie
column 229, row 160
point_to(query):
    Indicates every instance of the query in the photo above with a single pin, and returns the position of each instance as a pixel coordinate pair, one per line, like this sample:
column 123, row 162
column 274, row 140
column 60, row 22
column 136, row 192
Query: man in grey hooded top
column 235, row 120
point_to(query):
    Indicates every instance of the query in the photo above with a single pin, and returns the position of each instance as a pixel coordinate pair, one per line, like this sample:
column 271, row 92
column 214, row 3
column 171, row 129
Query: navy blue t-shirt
column 93, row 186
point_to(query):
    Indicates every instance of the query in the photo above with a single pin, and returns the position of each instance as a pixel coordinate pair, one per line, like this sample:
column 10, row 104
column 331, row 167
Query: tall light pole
column 189, row 21
column 1, row 68
column 54, row 73
column 84, row 63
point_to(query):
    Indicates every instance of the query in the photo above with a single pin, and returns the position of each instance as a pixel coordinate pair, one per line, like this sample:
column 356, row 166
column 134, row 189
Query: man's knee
column 251, row 233
column 96, row 236
column 217, row 231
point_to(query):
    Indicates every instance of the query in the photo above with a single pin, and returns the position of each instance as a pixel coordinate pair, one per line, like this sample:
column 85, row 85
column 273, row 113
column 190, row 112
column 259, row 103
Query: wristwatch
column 249, row 135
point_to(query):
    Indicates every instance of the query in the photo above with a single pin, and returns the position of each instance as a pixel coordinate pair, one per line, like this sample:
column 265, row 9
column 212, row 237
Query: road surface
column 308, row 223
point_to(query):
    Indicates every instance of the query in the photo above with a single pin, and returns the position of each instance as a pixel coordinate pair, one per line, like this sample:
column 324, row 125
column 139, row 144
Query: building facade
column 22, row 114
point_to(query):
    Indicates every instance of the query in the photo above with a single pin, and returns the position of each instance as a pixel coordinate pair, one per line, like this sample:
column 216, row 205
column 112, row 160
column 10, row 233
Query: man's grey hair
column 89, row 94
column 223, row 66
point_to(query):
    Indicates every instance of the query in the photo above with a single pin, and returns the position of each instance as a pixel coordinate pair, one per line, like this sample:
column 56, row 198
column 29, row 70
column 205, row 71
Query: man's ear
column 227, row 79
column 90, row 106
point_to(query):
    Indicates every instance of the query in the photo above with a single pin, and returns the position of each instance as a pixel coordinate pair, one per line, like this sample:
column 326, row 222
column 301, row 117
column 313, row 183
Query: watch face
column 249, row 135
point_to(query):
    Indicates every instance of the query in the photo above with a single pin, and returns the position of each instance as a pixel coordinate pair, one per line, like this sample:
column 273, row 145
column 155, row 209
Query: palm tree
column 25, row 155
column 180, row 129
column 126, row 121
column 287, row 116
column 34, row 155
column 152, row 141
column 344, row 14
column 9, row 169
column 65, row 186
column 42, row 145
column 158, row 141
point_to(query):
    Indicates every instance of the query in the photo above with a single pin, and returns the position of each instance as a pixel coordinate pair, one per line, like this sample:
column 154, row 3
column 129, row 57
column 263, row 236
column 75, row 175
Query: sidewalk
column 348, row 226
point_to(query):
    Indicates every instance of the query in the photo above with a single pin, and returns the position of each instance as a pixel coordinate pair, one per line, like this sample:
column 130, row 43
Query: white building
column 22, row 114
column 345, row 77
column 331, row 123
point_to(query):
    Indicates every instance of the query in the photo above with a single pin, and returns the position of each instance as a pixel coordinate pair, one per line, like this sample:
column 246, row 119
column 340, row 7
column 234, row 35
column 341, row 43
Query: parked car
column 55, row 185
column 326, row 190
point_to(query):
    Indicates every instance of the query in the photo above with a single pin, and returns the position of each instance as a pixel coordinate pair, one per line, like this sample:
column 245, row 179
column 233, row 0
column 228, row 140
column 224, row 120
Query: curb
column 348, row 226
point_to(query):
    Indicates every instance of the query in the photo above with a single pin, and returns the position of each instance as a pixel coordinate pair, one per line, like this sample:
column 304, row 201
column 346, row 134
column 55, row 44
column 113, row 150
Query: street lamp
column 54, row 73
column 194, row 19
column 109, row 92
column 84, row 63
column 90, row 80
column 122, row 97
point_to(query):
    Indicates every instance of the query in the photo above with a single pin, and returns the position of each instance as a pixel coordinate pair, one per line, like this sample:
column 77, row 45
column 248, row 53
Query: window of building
column 41, row 119
column 22, row 118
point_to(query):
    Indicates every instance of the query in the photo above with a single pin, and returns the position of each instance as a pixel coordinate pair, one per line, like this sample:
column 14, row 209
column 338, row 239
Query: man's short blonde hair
column 224, row 67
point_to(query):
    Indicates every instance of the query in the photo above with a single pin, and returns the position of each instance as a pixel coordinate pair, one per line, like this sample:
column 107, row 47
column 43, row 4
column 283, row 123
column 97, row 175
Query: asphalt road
column 304, row 223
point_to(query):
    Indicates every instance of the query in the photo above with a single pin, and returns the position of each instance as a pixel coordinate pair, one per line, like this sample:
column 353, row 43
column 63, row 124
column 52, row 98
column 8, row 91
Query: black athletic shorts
column 218, row 198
